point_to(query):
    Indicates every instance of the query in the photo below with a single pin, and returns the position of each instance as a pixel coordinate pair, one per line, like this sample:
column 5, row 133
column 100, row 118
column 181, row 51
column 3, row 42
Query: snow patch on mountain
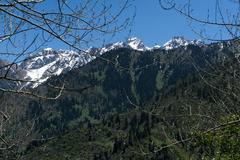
column 177, row 42
column 49, row 62
column 136, row 44
column 110, row 47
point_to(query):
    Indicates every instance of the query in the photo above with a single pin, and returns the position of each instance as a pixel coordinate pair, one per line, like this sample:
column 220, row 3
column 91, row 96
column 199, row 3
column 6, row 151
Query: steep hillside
column 135, row 104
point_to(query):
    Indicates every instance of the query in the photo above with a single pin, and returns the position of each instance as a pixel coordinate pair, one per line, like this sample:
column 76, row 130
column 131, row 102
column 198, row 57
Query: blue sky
column 153, row 25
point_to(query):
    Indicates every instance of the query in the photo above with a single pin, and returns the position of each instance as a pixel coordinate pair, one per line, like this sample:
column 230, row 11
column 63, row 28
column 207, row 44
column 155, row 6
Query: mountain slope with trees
column 152, row 104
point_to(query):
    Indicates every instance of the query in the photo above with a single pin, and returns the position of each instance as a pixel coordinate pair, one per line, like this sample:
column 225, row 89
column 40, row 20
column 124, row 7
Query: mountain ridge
column 41, row 66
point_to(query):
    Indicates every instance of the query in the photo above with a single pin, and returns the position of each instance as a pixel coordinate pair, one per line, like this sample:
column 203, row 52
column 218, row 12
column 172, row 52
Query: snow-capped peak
column 136, row 44
column 176, row 42
column 133, row 43
column 48, row 62
column 110, row 47
column 48, row 49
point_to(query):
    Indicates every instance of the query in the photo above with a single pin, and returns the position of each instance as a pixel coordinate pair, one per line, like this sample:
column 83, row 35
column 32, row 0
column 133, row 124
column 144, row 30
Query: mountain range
column 39, row 67
column 128, row 101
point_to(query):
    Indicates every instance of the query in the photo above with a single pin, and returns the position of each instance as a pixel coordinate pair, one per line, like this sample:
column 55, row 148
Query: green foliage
column 126, row 136
column 132, row 112
column 221, row 143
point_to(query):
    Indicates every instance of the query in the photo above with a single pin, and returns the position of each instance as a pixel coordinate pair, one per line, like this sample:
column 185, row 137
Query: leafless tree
column 219, row 16
column 29, row 25
column 224, row 15
column 26, row 26
column 217, row 22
